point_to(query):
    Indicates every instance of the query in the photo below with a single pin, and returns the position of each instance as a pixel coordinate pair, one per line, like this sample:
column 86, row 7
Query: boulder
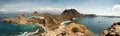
column 114, row 30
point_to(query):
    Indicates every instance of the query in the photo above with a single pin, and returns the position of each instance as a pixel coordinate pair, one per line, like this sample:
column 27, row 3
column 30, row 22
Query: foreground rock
column 114, row 30
column 72, row 29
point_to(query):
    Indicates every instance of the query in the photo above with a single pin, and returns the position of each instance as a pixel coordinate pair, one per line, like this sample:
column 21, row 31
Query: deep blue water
column 7, row 29
column 97, row 24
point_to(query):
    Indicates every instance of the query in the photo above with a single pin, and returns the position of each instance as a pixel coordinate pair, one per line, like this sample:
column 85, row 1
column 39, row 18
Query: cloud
column 116, row 10
column 116, row 7
column 49, row 9
column 41, row 9
column 3, row 10
column 24, row 10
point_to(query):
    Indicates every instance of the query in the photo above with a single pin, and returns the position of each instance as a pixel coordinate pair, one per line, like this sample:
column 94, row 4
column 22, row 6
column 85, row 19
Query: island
column 54, row 23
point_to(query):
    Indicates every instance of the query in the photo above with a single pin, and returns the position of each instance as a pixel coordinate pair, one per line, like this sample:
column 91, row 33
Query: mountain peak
column 35, row 13
column 71, row 13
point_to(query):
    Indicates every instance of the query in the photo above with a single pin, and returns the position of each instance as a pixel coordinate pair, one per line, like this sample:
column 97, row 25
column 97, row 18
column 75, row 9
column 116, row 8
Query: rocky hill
column 114, row 30
column 71, row 13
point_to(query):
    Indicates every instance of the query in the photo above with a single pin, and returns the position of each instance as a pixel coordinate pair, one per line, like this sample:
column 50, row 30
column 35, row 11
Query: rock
column 79, row 28
column 7, row 19
column 114, row 30
column 50, row 22
column 36, row 20
column 20, row 19
column 67, row 31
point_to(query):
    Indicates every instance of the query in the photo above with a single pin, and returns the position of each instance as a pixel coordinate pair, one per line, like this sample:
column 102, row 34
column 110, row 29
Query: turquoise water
column 7, row 29
column 13, row 29
column 97, row 24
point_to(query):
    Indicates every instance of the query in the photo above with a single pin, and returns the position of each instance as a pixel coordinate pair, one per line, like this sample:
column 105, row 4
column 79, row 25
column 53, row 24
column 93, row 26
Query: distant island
column 111, row 16
column 90, row 15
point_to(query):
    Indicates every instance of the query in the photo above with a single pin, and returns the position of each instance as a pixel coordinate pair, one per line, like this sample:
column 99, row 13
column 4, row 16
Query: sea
column 10, row 29
column 94, row 24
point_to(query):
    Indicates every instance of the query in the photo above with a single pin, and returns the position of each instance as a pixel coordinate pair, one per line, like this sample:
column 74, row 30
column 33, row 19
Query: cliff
column 114, row 30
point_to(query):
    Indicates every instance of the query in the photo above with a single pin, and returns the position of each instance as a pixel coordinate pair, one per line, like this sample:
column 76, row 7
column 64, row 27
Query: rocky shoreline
column 53, row 23
column 55, row 27
column 46, row 19
column 114, row 30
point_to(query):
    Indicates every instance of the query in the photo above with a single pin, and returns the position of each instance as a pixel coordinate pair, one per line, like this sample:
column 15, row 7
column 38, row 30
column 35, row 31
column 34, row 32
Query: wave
column 29, row 33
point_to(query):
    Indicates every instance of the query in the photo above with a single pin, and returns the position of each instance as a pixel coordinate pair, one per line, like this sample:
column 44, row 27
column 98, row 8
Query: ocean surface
column 10, row 29
column 95, row 24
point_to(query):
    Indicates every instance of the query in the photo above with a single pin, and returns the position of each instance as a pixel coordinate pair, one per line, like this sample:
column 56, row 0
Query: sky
column 98, row 7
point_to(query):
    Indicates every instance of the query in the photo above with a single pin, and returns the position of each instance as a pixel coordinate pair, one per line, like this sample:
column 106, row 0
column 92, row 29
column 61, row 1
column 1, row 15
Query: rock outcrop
column 72, row 29
column 114, row 30
column 20, row 19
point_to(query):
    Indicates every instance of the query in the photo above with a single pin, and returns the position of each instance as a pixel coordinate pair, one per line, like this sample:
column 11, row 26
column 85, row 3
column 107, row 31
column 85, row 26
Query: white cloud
column 25, row 10
column 49, row 9
column 116, row 10
column 116, row 7
column 40, row 9
column 3, row 10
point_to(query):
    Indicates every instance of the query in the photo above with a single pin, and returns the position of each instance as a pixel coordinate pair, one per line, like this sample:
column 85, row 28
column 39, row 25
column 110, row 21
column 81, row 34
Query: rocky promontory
column 114, row 30
column 72, row 29
column 20, row 19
